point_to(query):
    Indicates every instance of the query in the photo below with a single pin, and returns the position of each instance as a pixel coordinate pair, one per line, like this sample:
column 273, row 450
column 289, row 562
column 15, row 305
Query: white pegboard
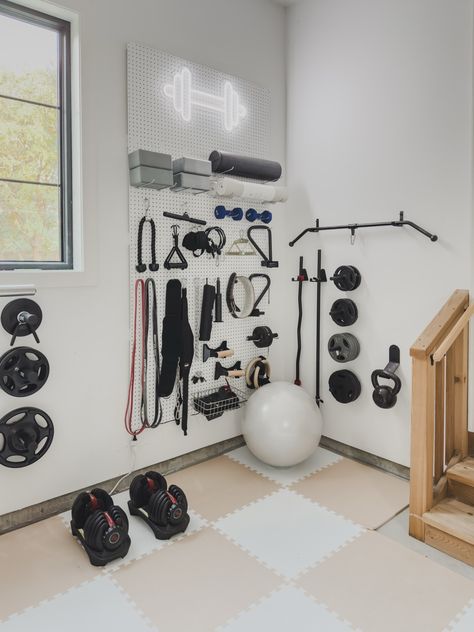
column 154, row 125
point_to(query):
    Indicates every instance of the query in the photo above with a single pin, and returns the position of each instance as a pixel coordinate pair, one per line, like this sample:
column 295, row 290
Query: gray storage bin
column 192, row 165
column 149, row 159
column 151, row 177
column 191, row 182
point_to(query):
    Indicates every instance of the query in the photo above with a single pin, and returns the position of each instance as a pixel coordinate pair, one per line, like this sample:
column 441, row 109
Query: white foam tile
column 143, row 541
column 287, row 609
column 287, row 532
column 98, row 605
column 285, row 475
column 465, row 622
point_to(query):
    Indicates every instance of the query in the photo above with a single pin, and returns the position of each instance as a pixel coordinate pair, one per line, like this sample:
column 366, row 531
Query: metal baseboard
column 48, row 508
column 365, row 457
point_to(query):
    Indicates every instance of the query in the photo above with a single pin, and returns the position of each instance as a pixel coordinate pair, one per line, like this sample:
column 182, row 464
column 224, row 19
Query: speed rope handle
column 128, row 421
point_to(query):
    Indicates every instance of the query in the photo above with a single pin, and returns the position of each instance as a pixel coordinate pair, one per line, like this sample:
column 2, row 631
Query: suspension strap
column 139, row 299
column 150, row 313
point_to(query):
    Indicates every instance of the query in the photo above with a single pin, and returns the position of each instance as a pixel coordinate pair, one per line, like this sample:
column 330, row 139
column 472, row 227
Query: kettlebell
column 385, row 396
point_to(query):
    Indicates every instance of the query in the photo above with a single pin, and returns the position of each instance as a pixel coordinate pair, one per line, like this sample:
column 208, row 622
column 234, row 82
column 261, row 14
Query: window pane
column 29, row 142
column 28, row 61
column 29, row 222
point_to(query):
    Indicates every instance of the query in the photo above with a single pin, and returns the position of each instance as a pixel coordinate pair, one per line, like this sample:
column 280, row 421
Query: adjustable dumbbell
column 232, row 371
column 222, row 351
column 220, row 212
column 265, row 216
column 100, row 526
column 163, row 508
column 184, row 96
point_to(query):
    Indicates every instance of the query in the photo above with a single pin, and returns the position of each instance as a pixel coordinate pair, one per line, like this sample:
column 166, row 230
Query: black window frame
column 63, row 28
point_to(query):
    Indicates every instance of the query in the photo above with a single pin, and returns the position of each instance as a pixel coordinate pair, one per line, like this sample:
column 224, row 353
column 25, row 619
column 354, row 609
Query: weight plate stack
column 346, row 278
column 344, row 386
column 343, row 347
column 344, row 312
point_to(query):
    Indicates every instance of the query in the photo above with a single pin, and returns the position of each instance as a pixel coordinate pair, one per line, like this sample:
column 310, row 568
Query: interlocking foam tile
column 197, row 584
column 358, row 492
column 143, row 538
column 287, row 532
column 219, row 486
column 98, row 605
column 287, row 609
column 285, row 475
column 38, row 562
column 464, row 622
column 381, row 586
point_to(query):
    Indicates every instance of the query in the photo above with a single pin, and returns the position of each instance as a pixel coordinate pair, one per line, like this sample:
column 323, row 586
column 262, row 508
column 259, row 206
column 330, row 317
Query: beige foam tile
column 360, row 493
column 379, row 585
column 197, row 584
column 38, row 562
column 219, row 486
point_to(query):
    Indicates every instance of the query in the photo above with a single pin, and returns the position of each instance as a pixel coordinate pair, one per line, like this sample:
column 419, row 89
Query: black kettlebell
column 385, row 396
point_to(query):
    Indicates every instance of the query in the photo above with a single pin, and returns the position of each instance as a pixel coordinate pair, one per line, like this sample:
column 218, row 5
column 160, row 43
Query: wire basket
column 213, row 402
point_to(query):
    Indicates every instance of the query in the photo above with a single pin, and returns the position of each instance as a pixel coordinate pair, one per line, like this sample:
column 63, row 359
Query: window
column 35, row 140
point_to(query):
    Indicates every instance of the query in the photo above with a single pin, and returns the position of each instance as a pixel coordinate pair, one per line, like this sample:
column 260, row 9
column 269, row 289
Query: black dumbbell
column 265, row 216
column 220, row 212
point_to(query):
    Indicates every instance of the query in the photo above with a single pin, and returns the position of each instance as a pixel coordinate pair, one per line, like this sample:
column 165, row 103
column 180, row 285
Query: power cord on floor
column 133, row 458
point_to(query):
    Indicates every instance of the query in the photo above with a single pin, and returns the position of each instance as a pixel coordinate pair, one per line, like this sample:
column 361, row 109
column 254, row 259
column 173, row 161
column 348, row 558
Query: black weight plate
column 23, row 371
column 343, row 347
column 344, row 386
column 344, row 312
column 180, row 496
column 25, row 436
column 346, row 278
column 10, row 313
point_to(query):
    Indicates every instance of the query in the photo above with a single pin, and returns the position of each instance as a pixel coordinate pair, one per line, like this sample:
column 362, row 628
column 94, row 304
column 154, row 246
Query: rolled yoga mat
column 245, row 166
column 230, row 188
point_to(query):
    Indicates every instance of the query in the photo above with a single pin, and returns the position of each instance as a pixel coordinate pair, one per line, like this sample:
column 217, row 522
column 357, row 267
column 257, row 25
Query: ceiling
column 285, row 3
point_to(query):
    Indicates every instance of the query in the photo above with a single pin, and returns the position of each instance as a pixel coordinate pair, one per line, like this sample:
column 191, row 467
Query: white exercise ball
column 282, row 425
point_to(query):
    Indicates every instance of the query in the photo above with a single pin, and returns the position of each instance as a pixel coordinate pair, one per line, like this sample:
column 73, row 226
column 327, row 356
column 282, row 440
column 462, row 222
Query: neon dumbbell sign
column 184, row 96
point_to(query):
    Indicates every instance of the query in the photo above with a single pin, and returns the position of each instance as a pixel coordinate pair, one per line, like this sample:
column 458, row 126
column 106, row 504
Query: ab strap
column 170, row 338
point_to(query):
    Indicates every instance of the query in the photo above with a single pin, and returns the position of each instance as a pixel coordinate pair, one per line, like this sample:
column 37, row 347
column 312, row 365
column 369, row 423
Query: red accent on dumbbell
column 220, row 212
column 265, row 216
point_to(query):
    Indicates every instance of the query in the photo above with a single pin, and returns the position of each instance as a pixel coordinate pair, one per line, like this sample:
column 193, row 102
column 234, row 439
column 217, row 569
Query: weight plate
column 23, row 371
column 9, row 317
column 344, row 386
column 346, row 278
column 25, row 436
column 344, row 312
column 343, row 347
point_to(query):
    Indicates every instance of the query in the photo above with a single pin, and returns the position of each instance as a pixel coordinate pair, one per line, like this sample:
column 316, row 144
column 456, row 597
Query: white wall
column 86, row 330
column 380, row 120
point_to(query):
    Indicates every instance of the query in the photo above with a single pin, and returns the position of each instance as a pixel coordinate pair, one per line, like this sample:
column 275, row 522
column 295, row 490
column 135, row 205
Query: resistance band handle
column 227, row 353
column 236, row 373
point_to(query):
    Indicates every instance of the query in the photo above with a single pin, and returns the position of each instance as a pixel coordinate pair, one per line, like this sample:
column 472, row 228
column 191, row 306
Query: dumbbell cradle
column 252, row 215
column 220, row 212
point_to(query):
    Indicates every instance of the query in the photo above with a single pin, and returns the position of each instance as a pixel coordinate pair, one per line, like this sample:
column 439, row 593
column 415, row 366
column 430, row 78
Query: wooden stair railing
column 439, row 426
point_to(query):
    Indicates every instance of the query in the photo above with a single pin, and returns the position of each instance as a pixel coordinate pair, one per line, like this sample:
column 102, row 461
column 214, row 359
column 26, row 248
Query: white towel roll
column 231, row 188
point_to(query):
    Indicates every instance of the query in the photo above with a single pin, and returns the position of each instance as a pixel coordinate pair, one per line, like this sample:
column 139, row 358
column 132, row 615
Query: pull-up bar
column 353, row 227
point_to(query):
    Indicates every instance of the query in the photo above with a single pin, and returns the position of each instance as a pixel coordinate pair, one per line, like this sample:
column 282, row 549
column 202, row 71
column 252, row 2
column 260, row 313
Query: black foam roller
column 208, row 299
column 245, row 166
